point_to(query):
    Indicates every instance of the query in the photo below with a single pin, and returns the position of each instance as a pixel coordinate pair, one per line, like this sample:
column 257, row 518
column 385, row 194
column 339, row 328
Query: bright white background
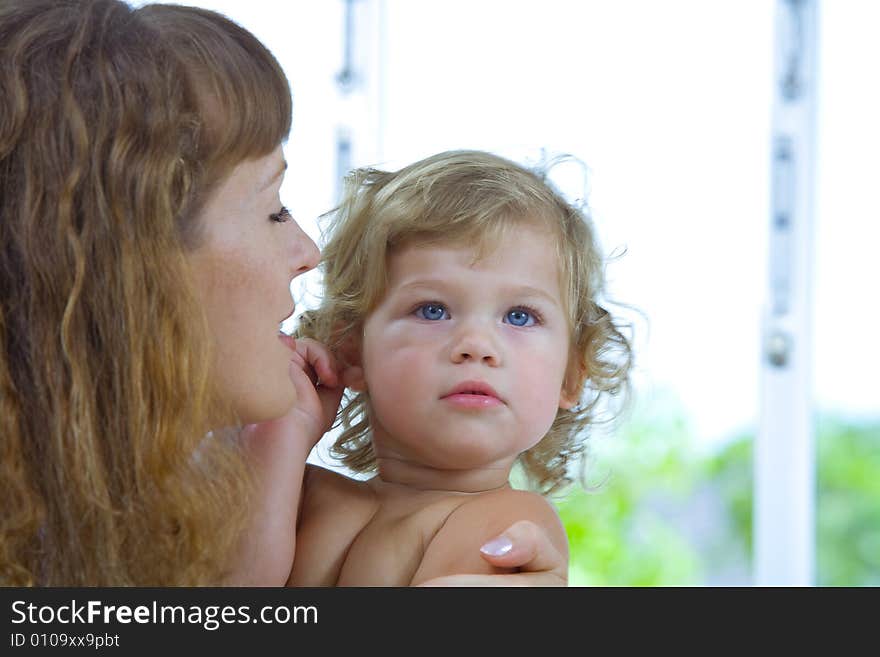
column 668, row 105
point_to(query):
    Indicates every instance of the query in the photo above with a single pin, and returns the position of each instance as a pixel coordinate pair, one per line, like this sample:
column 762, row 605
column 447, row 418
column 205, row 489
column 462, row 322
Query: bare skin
column 250, row 252
column 389, row 535
column 444, row 453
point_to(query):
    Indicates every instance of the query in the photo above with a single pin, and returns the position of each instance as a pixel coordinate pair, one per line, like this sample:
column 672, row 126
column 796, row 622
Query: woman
column 145, row 261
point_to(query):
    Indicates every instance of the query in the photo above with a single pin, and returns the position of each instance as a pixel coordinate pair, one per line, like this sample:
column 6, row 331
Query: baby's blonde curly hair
column 467, row 198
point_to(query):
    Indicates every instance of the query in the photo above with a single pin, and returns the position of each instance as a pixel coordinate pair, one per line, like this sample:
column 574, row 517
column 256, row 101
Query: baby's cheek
column 539, row 405
column 391, row 380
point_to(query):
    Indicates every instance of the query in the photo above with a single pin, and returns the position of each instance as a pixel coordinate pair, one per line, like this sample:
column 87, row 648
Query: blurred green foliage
column 849, row 504
column 658, row 511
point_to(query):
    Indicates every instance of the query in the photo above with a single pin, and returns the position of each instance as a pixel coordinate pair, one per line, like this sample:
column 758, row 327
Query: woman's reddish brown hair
column 114, row 126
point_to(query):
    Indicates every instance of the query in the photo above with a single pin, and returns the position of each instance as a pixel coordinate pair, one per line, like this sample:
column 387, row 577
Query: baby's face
column 465, row 362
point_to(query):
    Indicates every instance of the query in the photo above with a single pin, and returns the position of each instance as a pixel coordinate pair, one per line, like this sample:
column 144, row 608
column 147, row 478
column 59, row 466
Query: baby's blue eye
column 519, row 317
column 432, row 311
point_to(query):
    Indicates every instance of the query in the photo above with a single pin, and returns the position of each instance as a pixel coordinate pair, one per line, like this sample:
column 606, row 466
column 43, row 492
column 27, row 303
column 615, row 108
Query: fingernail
column 498, row 546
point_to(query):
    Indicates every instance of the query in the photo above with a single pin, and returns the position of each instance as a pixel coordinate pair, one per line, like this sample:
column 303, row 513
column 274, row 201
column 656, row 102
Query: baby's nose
column 473, row 344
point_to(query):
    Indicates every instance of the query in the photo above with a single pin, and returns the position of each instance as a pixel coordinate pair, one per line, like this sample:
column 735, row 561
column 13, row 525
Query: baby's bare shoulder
column 332, row 498
column 335, row 508
column 499, row 509
column 455, row 549
column 322, row 486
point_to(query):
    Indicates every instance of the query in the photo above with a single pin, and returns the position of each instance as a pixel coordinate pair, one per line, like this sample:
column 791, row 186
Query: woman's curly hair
column 114, row 125
column 467, row 198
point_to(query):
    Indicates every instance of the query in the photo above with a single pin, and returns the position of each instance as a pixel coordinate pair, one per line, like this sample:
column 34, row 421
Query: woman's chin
column 269, row 409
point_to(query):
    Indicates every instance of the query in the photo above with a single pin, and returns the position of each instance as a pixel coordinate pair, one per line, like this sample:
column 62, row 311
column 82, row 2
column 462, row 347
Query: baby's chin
column 460, row 457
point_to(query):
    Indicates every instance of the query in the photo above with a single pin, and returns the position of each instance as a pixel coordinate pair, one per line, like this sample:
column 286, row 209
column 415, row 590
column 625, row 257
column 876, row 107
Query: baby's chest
column 389, row 549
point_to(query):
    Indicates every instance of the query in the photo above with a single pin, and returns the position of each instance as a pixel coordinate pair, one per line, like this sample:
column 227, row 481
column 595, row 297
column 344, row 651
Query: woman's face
column 250, row 250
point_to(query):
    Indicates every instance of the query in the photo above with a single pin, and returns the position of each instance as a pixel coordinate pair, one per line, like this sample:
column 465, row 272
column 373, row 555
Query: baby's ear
column 572, row 386
column 350, row 354
column 353, row 378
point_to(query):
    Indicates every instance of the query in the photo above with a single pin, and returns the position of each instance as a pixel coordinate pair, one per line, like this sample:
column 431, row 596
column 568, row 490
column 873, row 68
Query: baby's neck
column 421, row 477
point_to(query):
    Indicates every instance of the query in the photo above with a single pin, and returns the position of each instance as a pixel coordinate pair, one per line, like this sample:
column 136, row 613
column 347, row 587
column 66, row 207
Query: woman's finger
column 523, row 545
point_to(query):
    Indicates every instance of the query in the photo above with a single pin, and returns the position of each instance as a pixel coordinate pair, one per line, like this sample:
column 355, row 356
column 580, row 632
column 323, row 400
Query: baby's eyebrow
column 433, row 283
column 520, row 291
column 529, row 291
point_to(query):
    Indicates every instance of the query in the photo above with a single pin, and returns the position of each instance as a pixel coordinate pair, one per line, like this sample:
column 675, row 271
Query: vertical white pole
column 784, row 509
column 359, row 86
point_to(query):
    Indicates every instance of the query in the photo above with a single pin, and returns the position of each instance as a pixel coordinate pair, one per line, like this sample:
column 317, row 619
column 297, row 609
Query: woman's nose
column 475, row 344
column 306, row 252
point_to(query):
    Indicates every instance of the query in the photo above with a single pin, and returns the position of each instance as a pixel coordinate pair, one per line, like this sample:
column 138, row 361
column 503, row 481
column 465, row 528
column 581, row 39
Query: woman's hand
column 278, row 450
column 523, row 545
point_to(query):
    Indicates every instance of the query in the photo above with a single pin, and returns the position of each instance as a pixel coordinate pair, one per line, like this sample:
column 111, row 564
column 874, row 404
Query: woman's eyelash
column 282, row 216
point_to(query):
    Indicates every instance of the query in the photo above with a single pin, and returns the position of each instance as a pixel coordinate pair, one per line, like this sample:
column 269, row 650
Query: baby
column 461, row 297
